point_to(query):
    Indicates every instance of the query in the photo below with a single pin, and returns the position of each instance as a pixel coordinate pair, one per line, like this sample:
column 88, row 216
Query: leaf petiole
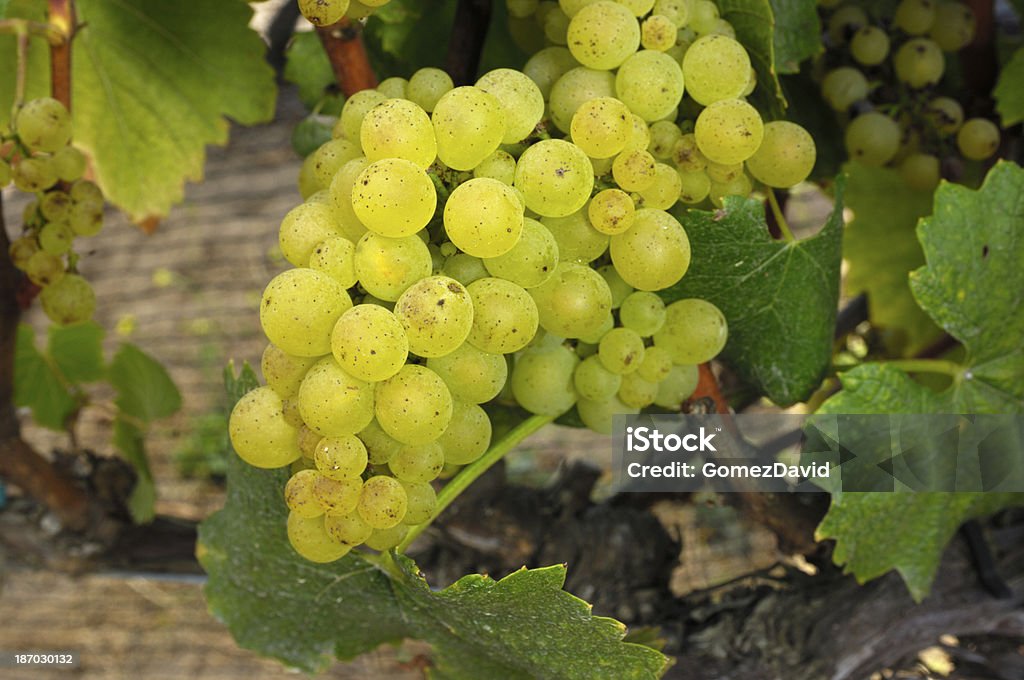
column 950, row 368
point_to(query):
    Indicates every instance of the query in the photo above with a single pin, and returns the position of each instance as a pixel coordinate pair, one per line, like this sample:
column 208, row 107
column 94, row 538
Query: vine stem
column 780, row 218
column 950, row 368
column 343, row 43
column 472, row 472
column 62, row 18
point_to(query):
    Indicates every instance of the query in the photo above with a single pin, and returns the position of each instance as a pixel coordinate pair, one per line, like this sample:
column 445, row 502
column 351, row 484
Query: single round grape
column 299, row 497
column 380, row 446
column 44, row 269
column 340, row 195
column 43, row 125
column 422, row 500
column 594, row 335
column 382, row 503
column 259, row 433
column 329, row 157
column 70, row 299
column 687, row 155
column 55, row 238
column 637, row 392
column 22, row 249
column 663, row 137
column 350, row 123
column 555, row 178
column 337, row 496
column 639, row 139
column 621, row 350
column 642, row 312
column 634, row 170
column 394, row 87
column 468, row 435
column 574, row 87
column 469, row 125
column 694, row 186
column 715, row 67
column 611, row 211
column 677, row 387
column 740, row 186
column 721, row 173
column 308, row 182
column 574, row 302
column 504, row 317
column 531, row 261
column 954, row 26
column 654, row 253
column 658, row 32
column 386, row 539
column 427, row 86
column 464, row 268
column 386, row 267
column 310, row 539
column 394, row 197
column 920, row 171
column 414, row 406
column 656, row 365
column 651, row 84
column 290, row 408
column 520, row 99
column 703, row 16
column 398, row 128
column 349, row 530
column 437, row 315
column 695, row 331
column 844, row 86
column 677, row 11
column 340, row 457
column 872, row 139
column 484, row 217
column 577, row 239
column 978, row 139
column 332, row 402
column 542, row 380
column 786, row 155
column 914, row 17
column 284, row 372
column 548, row 65
column 55, row 205
column 369, row 343
column 602, row 127
column 595, row 382
column 417, row 463
column 33, row 175
column 597, row 415
column 729, row 131
column 556, row 26
column 603, row 34
column 870, row 46
column 619, row 288
column 335, row 256
column 664, row 191
column 845, row 22
column 500, row 165
column 919, row 63
column 946, row 114
column 323, row 12
column 69, row 164
column 299, row 309
column 639, row 8
column 303, row 228
column 471, row 374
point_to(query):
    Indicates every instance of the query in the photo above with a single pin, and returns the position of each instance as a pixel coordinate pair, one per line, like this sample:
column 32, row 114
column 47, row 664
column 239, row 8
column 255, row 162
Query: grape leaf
column 881, row 248
column 1009, row 90
column 778, row 297
column 3, row 8
column 308, row 67
column 38, row 384
column 404, row 35
column 807, row 108
column 755, row 28
column 797, row 33
column 145, row 390
column 77, row 350
column 131, row 442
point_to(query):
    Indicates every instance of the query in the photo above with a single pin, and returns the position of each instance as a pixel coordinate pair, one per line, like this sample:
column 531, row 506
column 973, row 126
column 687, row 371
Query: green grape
column 299, row 309
column 954, row 26
column 414, row 406
column 720, row 173
column 22, row 249
column 55, row 238
column 695, row 331
column 594, row 335
column 417, row 463
column 531, row 261
column 556, row 26
column 70, row 299
column 597, row 414
column 555, row 178
column 729, row 131
column 845, row 22
column 611, row 211
column 386, row 539
column 634, row 170
column 602, row 126
column 654, row 253
column 55, row 205
column 394, row 87
column 722, row 27
column 687, row 155
column 386, row 267
column 577, row 239
column 504, row 316
column 44, row 269
column 35, row 174
column 358, row 10
column 309, row 183
column 571, row 7
column 664, row 134
column 307, row 438
column 437, row 314
column 574, row 302
column 978, row 139
column 872, row 139
column 427, row 86
column 542, row 380
column 340, row 457
column 651, row 84
column 658, row 33
column 340, row 194
column 642, row 312
column 620, row 289
column 595, row 382
column 259, row 433
column 694, row 186
column 621, row 350
column 394, row 197
column 677, row 387
column 920, row 171
column 382, row 503
column 715, row 67
column 914, row 17
column 85, row 193
column 656, row 365
column 703, row 16
column 398, row 128
column 380, row 446
column 548, row 65
column 500, row 165
column 919, row 63
column 639, row 8
column 676, row 11
column 603, row 34
column 740, row 186
column 844, row 86
column 323, row 12
column 465, row 268
column 469, row 125
column 468, row 435
column 290, row 408
column 299, row 496
column 484, row 217
column 520, row 99
column 303, row 228
column 43, row 125
column 664, row 191
column 521, row 9
column 786, row 155
column 575, row 86
column 350, row 123
column 310, row 539
column 421, row 502
column 637, row 392
column 68, row 163
column 335, row 256
column 640, row 138
column 348, row 530
column 870, row 46
column 471, row 374
column 329, row 157
column 332, row 402
column 284, row 372
column 369, row 343
column 946, row 114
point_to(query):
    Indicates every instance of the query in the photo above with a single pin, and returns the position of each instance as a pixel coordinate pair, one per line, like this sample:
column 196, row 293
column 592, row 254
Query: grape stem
column 471, row 472
column 62, row 19
column 950, row 368
column 343, row 43
column 780, row 218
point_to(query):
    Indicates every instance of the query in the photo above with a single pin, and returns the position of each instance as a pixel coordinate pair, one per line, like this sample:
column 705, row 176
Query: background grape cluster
column 501, row 242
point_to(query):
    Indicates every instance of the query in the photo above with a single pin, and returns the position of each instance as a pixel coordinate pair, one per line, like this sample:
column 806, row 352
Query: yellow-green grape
column 471, row 374
column 574, row 302
column 335, row 256
column 369, row 343
column 421, row 501
column 978, row 139
column 695, row 331
column 621, row 350
column 323, row 12
column 620, row 290
column 721, row 27
column 33, row 175
column 394, row 87
column 677, row 387
column 310, row 539
column 307, row 438
column 386, row 539
column 542, row 380
column 386, row 267
column 603, row 34
column 382, row 503
column 348, row 529
column 340, row 457
column 642, row 312
column 55, row 205
column 664, row 191
column 259, row 433
column 920, row 171
column 577, row 240
column 308, row 183
column 575, row 86
column 555, row 178
column 69, row 164
column 718, row 172
column 437, row 314
column 398, row 128
column 299, row 309
column 637, row 392
column 571, row 7
column 703, row 16
column 687, row 155
column 44, row 269
column 86, row 194
column 417, row 463
column 380, row 446
column 677, row 11
column 304, row 227
column 350, row 123
column 340, row 193
column 358, row 10
column 639, row 8
column 414, row 406
column 870, row 46
column 332, row 402
column 658, row 32
column 504, row 316
column 595, row 382
column 290, row 407
column 299, row 497
column 483, row 217
column 70, row 299
column 654, row 253
column 597, row 414
column 729, row 131
column 915, row 17
column 651, row 84
column 464, row 268
column 872, row 139
column 427, row 86
column 531, row 261
column 786, row 155
column 520, row 99
column 55, row 238
column 594, row 336
column 954, row 26
column 664, row 135
column 283, row 372
column 739, row 186
column 469, row 125
column 611, row 211
column 468, row 435
column 694, row 186
column 634, row 170
column 602, row 127
column 715, row 67
column 394, row 197
column 919, row 63
column 844, row 22
column 22, row 249
column 548, row 65
column 521, row 9
column 946, row 114
column 500, row 165
column 844, row 86
column 639, row 139
column 329, row 158
column 556, row 26
column 656, row 365
column 337, row 496
column 43, row 125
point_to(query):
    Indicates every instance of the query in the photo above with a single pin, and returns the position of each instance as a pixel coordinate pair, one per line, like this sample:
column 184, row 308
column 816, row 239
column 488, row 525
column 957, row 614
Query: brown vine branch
column 343, row 43
column 708, row 389
column 466, row 43
column 62, row 17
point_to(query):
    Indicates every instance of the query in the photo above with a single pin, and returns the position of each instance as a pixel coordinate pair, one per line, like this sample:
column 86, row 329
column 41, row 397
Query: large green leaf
column 1009, row 91
column 77, row 350
column 881, row 249
column 797, row 34
column 145, row 390
column 38, row 384
column 778, row 297
column 755, row 28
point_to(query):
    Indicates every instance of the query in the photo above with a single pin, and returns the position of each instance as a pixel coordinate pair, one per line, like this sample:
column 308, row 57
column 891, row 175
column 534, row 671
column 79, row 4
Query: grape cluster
column 502, row 242
column 37, row 155
column 327, row 12
column 883, row 73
